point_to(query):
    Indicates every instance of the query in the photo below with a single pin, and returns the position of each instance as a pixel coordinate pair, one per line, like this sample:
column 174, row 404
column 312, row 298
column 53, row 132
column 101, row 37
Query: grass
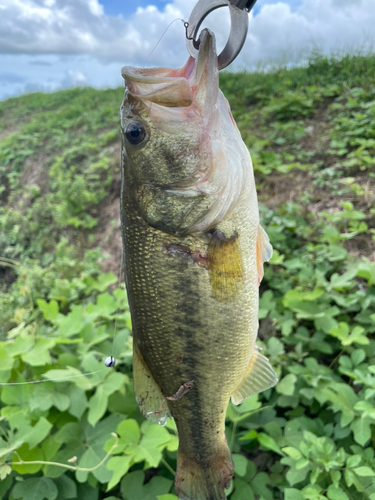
column 311, row 133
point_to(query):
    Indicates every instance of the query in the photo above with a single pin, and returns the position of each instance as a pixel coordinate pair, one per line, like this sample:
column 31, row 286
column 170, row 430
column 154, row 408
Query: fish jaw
column 194, row 85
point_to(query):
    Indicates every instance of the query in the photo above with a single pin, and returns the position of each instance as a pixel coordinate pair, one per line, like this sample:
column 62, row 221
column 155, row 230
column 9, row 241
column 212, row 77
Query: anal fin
column 259, row 377
column 147, row 392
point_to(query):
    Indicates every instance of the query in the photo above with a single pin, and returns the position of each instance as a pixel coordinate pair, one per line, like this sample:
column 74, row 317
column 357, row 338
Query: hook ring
column 238, row 33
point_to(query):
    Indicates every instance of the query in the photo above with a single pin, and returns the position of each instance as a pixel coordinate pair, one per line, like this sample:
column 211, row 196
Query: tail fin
column 200, row 480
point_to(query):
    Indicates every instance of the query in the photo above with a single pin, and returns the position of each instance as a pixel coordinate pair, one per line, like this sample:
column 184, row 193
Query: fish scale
column 194, row 255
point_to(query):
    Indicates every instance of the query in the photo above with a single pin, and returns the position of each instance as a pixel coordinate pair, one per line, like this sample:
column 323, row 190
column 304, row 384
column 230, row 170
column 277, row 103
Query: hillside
column 311, row 134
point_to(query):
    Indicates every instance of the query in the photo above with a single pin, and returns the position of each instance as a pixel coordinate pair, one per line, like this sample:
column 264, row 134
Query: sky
column 51, row 44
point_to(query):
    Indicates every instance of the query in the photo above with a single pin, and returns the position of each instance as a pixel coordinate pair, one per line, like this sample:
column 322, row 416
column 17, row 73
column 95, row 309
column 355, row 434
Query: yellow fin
column 224, row 264
column 147, row 391
column 259, row 377
column 264, row 252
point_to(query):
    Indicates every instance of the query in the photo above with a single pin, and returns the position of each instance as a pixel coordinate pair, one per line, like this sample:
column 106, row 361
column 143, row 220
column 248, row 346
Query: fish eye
column 135, row 133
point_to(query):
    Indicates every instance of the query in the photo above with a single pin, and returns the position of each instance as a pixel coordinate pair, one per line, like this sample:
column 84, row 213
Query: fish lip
column 158, row 76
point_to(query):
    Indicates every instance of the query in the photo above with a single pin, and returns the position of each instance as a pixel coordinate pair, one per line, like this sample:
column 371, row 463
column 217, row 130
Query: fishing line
column 110, row 361
column 51, row 379
column 162, row 36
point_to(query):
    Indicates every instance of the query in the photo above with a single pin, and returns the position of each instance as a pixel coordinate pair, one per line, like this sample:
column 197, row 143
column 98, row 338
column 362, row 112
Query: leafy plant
column 76, row 431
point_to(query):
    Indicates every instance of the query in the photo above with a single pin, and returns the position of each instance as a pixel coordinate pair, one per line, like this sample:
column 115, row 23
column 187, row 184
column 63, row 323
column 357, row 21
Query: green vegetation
column 311, row 132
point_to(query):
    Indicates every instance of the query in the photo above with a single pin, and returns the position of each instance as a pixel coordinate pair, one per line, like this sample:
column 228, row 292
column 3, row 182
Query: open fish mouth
column 176, row 88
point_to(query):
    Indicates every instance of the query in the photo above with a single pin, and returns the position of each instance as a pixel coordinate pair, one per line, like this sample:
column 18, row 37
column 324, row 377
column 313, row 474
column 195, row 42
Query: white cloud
column 71, row 29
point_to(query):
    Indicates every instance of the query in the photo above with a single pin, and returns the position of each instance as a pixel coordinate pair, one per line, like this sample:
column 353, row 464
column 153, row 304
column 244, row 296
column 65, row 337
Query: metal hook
column 239, row 27
column 243, row 4
column 196, row 43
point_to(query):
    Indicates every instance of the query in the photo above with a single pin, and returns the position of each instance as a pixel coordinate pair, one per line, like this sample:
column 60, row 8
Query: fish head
column 172, row 129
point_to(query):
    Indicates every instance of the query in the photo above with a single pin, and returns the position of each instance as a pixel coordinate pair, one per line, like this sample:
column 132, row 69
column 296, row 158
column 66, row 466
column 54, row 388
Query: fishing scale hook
column 239, row 10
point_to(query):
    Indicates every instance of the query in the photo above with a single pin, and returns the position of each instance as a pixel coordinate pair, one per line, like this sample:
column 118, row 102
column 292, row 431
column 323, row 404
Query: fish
column 193, row 257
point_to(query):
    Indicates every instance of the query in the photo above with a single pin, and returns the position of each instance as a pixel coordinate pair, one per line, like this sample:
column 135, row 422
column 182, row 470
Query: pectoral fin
column 147, row 391
column 259, row 377
column 264, row 252
column 224, row 264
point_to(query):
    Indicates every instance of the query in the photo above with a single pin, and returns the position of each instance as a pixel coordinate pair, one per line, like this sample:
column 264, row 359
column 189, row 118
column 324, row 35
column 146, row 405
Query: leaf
column 275, row 346
column 102, row 283
column 294, row 476
column 66, row 486
column 302, row 463
column 361, row 428
column 70, row 432
column 5, row 470
column 95, row 439
column 269, row 442
column 349, row 477
column 248, row 406
column 167, row 497
column 50, row 310
column 105, row 306
column 326, row 324
column 240, row 464
column 114, row 382
column 287, row 385
column 152, row 443
column 36, row 434
column 358, row 356
column 35, row 489
column 25, row 454
column 364, row 471
column 343, row 397
column 341, row 331
column 293, row 494
column 6, row 361
column 72, row 323
column 44, row 396
column 367, row 409
column 19, row 345
column 312, row 491
column 292, row 452
column 357, row 336
column 78, row 401
column 335, row 476
column 86, row 492
column 97, row 405
column 242, row 491
column 259, row 486
column 90, row 460
column 132, row 486
column 173, row 443
column 353, row 460
column 78, row 377
column 39, row 354
column 334, row 493
column 129, row 432
column 119, row 466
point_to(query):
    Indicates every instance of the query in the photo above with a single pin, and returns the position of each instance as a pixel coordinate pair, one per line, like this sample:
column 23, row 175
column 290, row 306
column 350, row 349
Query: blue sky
column 51, row 44
column 126, row 7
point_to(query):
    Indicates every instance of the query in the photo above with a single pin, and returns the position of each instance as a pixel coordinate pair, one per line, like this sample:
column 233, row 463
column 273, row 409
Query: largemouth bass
column 194, row 253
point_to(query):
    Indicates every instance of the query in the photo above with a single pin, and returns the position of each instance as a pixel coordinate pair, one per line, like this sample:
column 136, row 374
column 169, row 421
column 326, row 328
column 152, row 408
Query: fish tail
column 204, row 479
